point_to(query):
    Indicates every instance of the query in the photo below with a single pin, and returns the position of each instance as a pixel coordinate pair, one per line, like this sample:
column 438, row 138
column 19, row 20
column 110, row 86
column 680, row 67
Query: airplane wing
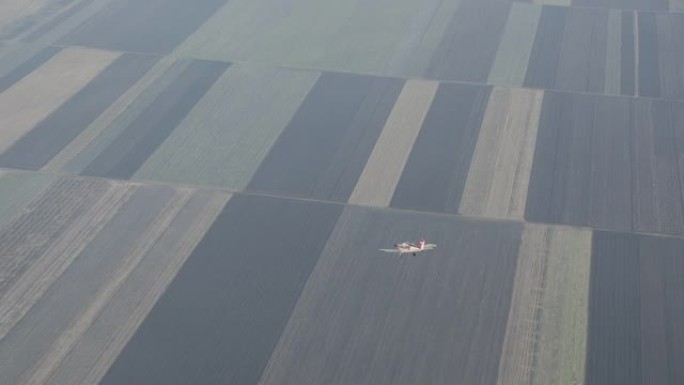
column 429, row 246
column 389, row 250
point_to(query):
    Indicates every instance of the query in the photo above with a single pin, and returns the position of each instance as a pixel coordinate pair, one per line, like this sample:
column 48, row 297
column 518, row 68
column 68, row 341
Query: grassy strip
column 510, row 64
column 561, row 350
column 229, row 132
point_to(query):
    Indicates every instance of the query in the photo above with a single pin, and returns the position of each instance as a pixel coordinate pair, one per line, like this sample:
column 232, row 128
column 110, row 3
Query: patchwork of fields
column 195, row 193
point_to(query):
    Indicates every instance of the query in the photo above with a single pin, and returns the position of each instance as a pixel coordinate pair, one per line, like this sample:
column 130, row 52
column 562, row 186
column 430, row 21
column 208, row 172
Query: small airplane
column 413, row 248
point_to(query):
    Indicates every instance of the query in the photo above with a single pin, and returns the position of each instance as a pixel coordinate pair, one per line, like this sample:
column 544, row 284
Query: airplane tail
column 421, row 244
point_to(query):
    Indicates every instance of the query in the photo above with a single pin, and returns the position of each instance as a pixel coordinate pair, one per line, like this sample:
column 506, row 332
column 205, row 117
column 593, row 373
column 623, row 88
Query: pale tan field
column 128, row 307
column 546, row 334
column 500, row 170
column 11, row 10
column 107, row 117
column 386, row 163
column 16, row 302
column 42, row 261
column 33, row 98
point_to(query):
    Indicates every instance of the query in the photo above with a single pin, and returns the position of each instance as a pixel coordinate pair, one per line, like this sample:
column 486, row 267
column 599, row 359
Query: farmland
column 59, row 128
column 502, row 160
column 63, row 280
column 547, row 326
column 610, row 163
column 229, row 158
column 197, row 192
column 133, row 20
column 363, row 318
column 34, row 97
column 546, row 46
column 635, row 333
column 259, row 281
column 385, row 164
column 445, row 146
column 15, row 13
column 307, row 162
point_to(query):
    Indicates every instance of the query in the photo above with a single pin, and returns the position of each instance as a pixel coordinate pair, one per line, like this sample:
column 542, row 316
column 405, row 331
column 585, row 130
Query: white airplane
column 413, row 248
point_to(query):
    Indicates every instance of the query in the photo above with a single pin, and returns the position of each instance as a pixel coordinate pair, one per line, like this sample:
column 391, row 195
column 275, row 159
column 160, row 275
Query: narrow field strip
column 376, row 185
column 325, row 146
column 563, row 331
column 546, row 335
column 16, row 302
column 39, row 17
column 33, row 150
column 13, row 74
column 85, row 280
column 55, row 353
column 227, row 134
column 41, row 222
column 33, row 98
column 76, row 156
column 13, row 10
column 436, row 171
column 499, row 174
column 118, row 321
column 520, row 344
column 59, row 161
column 20, row 59
column 513, row 54
column 613, row 53
column 49, row 17
column 136, row 142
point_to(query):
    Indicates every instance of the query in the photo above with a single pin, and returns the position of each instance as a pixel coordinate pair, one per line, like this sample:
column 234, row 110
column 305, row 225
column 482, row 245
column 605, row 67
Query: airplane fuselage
column 413, row 248
column 410, row 248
